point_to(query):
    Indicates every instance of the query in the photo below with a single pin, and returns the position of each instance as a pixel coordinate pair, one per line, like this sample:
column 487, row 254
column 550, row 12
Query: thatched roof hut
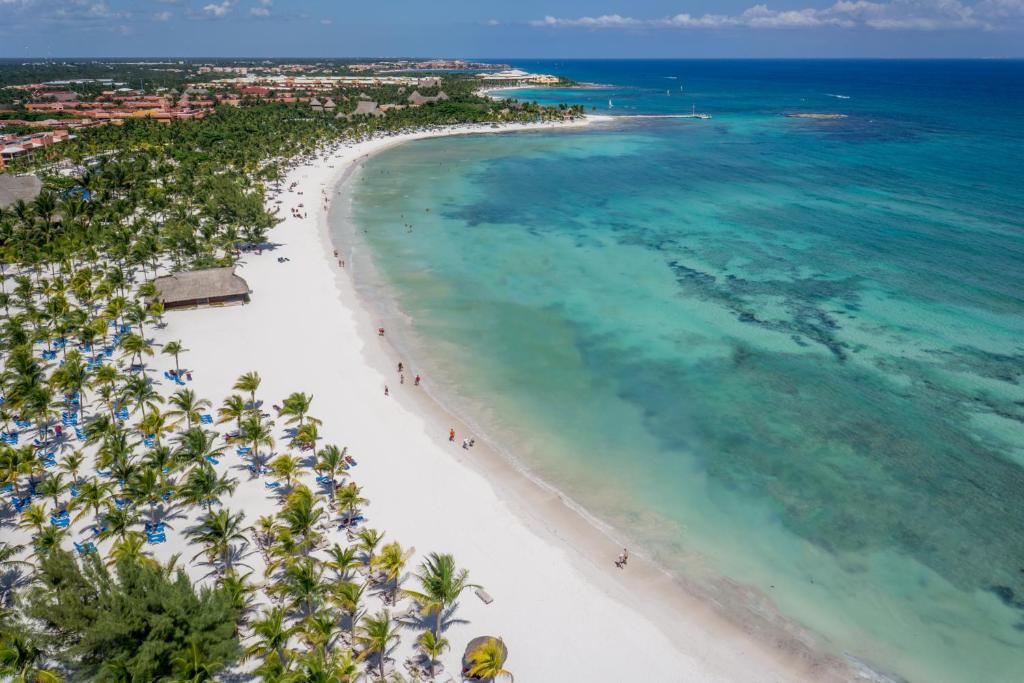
column 367, row 107
column 15, row 187
column 417, row 98
column 208, row 287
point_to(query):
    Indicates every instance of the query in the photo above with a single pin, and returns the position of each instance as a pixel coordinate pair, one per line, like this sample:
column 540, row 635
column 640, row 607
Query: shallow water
column 784, row 351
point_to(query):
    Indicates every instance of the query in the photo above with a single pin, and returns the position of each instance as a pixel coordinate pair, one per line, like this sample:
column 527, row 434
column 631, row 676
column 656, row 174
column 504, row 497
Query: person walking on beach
column 451, row 434
column 400, row 366
column 623, row 559
column 385, row 389
column 401, row 379
column 465, row 444
column 416, row 382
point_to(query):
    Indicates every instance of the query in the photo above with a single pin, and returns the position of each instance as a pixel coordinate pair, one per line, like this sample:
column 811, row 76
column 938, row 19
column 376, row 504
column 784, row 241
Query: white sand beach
column 565, row 612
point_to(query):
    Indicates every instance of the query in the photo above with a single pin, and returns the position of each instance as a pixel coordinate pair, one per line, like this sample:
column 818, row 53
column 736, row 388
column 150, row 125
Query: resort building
column 208, row 287
column 14, row 147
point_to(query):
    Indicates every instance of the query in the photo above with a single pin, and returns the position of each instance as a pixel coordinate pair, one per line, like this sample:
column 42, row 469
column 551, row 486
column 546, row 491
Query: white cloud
column 162, row 16
column 918, row 15
column 493, row 22
column 259, row 12
column 218, row 10
column 326, row 22
column 603, row 21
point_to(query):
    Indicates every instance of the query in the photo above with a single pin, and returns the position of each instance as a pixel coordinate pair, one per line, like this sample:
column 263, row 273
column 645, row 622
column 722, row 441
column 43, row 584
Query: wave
column 842, row 97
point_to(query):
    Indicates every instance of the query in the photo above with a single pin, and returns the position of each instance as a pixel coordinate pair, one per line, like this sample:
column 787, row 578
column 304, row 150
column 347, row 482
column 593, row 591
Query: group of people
column 401, row 371
column 623, row 559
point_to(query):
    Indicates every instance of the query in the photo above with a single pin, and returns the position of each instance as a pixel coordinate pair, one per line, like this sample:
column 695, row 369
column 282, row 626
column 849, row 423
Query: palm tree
column 303, row 582
column 250, row 382
column 72, row 378
column 369, row 539
column 272, row 634
column 93, row 496
column 194, row 665
column 332, row 666
column 34, row 517
column 441, row 584
column 286, row 467
column 187, row 405
column 160, row 460
column 48, row 539
column 342, row 560
column 296, row 407
column 378, row 636
column 131, row 546
column 140, row 390
column 174, row 348
column 390, row 562
column 203, row 487
column 233, row 408
column 307, row 434
column 137, row 347
column 147, row 487
column 348, row 597
column 257, row 433
column 487, row 661
column 239, row 591
column 432, row 648
column 301, row 516
column 118, row 523
column 218, row 533
column 195, row 445
column 319, row 630
column 71, row 464
column 349, row 498
column 53, row 486
column 330, row 463
column 157, row 424
column 21, row 659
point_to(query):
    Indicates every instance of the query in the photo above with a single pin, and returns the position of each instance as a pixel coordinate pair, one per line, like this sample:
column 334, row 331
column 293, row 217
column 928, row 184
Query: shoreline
column 548, row 566
column 542, row 506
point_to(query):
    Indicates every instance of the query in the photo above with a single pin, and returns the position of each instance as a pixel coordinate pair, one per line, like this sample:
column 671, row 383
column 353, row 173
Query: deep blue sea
column 784, row 351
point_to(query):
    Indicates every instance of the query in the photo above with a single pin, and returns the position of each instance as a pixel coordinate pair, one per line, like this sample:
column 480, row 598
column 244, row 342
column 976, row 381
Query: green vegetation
column 101, row 460
column 134, row 623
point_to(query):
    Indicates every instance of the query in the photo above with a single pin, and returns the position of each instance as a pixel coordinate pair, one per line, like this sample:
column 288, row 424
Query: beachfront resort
column 158, row 524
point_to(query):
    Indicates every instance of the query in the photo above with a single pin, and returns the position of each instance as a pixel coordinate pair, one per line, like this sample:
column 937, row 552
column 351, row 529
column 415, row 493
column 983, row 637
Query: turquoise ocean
column 785, row 352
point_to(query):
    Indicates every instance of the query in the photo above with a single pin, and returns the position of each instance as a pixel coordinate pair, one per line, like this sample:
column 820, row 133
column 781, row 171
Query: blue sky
column 526, row 28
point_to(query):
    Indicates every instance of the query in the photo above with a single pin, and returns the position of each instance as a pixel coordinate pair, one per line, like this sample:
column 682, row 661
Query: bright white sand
column 564, row 611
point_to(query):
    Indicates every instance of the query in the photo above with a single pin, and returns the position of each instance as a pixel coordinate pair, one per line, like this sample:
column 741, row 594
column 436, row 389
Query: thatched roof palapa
column 417, row 98
column 15, row 187
column 201, row 286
